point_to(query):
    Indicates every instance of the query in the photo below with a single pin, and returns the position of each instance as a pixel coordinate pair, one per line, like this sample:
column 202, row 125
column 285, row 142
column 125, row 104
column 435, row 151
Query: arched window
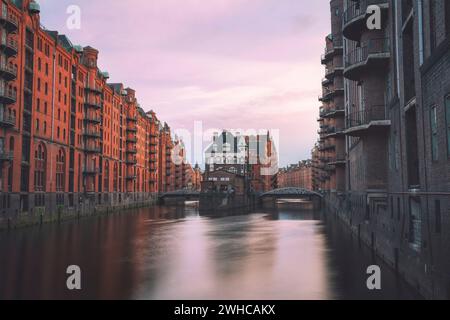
column 138, row 180
column 79, row 176
column 106, row 176
column 11, row 165
column 115, row 177
column 40, row 164
column 60, row 170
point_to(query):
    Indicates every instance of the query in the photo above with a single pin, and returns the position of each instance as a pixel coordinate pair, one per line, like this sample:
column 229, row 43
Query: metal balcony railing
column 358, row 8
column 8, row 96
column 92, row 133
column 93, row 118
column 92, row 103
column 364, row 117
column 9, row 22
column 8, row 70
column 9, row 45
column 361, row 54
column 6, row 155
column 7, row 120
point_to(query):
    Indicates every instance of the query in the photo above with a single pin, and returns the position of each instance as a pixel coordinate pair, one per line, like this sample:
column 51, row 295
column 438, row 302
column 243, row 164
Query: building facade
column 298, row 175
column 69, row 139
column 395, row 192
column 253, row 157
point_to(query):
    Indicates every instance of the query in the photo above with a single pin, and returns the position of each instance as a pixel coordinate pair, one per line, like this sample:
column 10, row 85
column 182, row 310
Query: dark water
column 173, row 253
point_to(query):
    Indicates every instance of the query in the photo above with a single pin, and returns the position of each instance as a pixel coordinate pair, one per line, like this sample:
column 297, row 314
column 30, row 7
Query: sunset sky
column 233, row 64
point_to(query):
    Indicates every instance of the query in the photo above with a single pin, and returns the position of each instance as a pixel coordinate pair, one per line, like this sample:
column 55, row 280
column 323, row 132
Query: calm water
column 173, row 253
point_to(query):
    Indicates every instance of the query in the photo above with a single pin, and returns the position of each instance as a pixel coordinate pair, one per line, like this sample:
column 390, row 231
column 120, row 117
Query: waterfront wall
column 369, row 219
column 61, row 207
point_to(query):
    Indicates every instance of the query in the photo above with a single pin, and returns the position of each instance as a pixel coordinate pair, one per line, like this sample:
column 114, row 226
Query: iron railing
column 372, row 46
column 359, row 8
column 364, row 117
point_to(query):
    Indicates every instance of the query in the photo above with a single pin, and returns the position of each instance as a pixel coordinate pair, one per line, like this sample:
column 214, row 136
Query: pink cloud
column 229, row 63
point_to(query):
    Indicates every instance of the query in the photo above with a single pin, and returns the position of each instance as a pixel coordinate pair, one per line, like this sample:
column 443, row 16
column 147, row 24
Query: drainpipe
column 421, row 41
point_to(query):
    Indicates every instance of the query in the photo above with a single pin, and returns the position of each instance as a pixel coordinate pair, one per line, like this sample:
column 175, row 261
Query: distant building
column 252, row 157
column 297, row 176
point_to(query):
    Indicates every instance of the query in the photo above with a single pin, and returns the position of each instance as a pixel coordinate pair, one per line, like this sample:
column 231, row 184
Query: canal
column 174, row 253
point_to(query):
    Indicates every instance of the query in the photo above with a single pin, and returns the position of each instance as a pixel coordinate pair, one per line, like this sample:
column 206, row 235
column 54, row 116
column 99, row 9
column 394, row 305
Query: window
column 433, row 34
column 447, row 18
column 40, row 159
column 434, row 135
column 106, row 177
column 447, row 112
column 60, row 168
column 438, row 217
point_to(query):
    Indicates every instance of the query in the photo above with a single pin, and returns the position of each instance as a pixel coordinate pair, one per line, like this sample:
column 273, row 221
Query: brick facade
column 69, row 139
column 396, row 195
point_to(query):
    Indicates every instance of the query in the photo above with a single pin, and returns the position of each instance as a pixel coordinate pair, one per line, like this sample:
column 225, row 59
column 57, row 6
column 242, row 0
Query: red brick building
column 296, row 176
column 68, row 138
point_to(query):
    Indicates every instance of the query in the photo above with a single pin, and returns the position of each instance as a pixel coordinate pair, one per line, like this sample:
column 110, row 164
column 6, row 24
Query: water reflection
column 173, row 253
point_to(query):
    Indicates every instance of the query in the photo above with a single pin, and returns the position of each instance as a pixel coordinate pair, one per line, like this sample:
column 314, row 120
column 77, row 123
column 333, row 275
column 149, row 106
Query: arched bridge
column 180, row 195
column 270, row 198
column 291, row 193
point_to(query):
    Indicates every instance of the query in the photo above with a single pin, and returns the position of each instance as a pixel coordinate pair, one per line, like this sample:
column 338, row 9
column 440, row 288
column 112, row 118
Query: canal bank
column 86, row 205
column 371, row 224
column 175, row 253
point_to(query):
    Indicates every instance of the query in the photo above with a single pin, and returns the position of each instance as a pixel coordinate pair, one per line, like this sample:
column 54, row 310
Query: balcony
column 329, row 94
column 132, row 139
column 92, row 149
column 8, row 71
column 326, row 81
column 335, row 48
column 131, row 150
column 374, row 118
column 93, row 104
column 8, row 96
column 355, row 17
column 6, row 156
column 94, row 89
column 9, row 23
column 93, row 118
column 333, row 132
column 332, row 71
column 333, row 113
column 132, row 129
column 326, row 146
column 9, row 47
column 132, row 118
column 337, row 161
column 90, row 171
column 91, row 133
column 7, row 121
column 373, row 56
column 131, row 177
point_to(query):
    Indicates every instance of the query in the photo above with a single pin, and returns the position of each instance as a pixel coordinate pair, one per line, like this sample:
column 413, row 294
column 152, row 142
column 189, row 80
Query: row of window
column 435, row 126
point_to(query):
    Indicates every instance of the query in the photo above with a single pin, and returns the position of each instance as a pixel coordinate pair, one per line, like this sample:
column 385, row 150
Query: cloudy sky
column 234, row 64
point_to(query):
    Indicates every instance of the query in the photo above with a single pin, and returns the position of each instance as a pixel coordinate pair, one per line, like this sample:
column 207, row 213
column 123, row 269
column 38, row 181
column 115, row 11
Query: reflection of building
column 383, row 155
column 296, row 175
column 252, row 157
